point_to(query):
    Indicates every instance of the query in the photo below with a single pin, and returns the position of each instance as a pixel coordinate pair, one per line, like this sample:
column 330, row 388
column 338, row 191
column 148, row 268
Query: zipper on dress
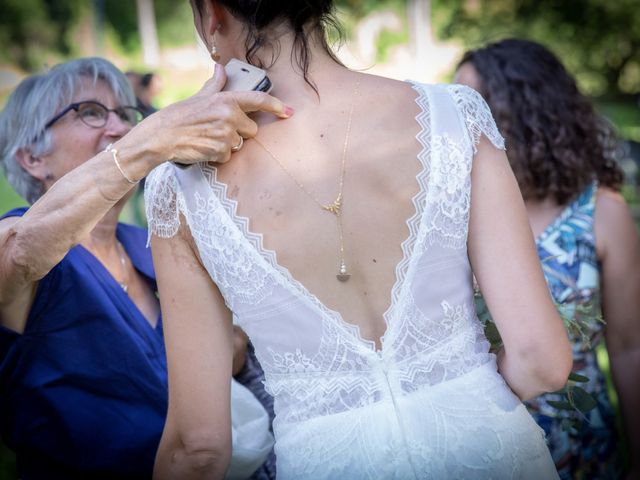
column 385, row 373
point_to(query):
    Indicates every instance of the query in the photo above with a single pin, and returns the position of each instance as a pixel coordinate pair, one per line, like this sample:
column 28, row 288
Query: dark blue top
column 83, row 391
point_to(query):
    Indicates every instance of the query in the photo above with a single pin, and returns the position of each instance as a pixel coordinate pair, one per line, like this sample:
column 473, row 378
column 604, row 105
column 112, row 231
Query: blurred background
column 598, row 41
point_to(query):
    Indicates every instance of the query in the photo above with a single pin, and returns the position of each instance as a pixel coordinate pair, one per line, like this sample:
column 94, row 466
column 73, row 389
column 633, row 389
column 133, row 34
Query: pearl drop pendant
column 343, row 276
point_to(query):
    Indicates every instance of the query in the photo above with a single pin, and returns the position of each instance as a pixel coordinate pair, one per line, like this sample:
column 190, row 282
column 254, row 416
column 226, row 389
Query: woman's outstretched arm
column 196, row 442
column 619, row 254
column 200, row 128
column 536, row 357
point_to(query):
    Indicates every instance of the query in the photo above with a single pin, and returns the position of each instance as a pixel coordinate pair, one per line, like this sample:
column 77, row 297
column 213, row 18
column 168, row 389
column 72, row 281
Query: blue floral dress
column 582, row 446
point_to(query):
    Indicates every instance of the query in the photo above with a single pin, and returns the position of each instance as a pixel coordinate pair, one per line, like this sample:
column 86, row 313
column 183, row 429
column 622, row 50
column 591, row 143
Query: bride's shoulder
column 387, row 89
column 388, row 102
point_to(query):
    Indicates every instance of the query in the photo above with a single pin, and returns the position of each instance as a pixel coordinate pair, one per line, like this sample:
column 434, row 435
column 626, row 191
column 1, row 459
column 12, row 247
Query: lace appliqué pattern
column 449, row 194
column 335, row 379
column 162, row 205
column 431, row 351
column 422, row 405
column 236, row 270
column 477, row 115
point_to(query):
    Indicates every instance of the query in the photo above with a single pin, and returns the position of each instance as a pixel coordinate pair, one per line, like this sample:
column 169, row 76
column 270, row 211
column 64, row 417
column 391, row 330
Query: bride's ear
column 216, row 16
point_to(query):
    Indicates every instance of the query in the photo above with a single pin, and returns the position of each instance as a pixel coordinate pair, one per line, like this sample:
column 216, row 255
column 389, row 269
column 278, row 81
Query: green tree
column 31, row 29
column 173, row 21
column 598, row 40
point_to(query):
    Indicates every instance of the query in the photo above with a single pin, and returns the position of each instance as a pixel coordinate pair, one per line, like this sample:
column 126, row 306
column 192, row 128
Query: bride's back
column 280, row 195
column 428, row 401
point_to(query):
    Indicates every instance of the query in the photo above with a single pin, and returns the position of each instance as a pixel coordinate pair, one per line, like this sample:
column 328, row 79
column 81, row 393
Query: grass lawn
column 8, row 198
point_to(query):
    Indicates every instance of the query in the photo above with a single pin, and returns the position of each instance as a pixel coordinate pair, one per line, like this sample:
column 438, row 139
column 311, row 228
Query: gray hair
column 35, row 101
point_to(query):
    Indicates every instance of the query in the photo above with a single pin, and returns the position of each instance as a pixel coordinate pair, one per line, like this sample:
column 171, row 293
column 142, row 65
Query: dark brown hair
column 305, row 17
column 556, row 143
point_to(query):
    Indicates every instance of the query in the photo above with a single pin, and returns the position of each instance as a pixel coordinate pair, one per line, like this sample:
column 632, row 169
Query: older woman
column 82, row 362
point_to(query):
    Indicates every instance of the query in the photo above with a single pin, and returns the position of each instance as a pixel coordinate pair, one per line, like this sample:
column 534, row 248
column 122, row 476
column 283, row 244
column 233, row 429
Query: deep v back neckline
column 413, row 223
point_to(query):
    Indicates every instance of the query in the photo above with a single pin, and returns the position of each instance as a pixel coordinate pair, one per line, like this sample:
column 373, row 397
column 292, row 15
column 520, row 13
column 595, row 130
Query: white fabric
column 430, row 403
column 251, row 439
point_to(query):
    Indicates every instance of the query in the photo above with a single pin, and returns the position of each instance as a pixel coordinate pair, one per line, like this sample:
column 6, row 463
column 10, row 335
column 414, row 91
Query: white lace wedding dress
column 430, row 404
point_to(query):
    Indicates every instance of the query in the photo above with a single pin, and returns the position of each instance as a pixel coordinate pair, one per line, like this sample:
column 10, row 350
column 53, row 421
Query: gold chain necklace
column 334, row 207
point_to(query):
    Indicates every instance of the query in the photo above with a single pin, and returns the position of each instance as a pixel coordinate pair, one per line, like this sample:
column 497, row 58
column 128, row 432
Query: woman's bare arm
column 618, row 248
column 196, row 442
column 536, row 356
column 31, row 245
column 201, row 128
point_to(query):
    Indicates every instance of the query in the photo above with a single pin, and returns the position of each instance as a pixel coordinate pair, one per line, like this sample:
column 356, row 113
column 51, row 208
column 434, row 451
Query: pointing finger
column 260, row 101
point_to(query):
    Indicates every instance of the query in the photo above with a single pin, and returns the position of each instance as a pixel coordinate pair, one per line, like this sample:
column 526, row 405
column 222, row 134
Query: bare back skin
column 380, row 182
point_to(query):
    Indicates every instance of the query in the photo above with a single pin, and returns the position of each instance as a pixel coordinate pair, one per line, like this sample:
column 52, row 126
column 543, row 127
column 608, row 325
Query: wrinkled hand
column 204, row 127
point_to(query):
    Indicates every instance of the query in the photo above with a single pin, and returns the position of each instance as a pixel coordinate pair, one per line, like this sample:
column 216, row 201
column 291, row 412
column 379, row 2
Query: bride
column 343, row 241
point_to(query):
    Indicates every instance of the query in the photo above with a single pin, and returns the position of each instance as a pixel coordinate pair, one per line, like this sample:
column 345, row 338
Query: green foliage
column 598, row 40
column 351, row 11
column 624, row 115
column 31, row 29
column 173, row 22
column 122, row 18
column 362, row 8
column 388, row 39
column 576, row 318
column 8, row 197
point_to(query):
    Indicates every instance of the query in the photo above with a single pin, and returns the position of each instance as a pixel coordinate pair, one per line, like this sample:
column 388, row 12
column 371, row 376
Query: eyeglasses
column 95, row 114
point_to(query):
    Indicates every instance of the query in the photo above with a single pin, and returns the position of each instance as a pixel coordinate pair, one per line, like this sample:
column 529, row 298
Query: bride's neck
column 286, row 72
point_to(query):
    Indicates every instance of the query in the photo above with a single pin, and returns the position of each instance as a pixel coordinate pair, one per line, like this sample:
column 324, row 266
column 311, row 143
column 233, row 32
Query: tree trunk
column 420, row 37
column 148, row 33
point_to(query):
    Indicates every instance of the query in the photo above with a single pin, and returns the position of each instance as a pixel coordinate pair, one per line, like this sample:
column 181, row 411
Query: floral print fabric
column 583, row 446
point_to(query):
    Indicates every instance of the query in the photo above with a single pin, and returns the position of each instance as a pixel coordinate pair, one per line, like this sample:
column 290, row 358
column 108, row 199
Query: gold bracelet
column 114, row 154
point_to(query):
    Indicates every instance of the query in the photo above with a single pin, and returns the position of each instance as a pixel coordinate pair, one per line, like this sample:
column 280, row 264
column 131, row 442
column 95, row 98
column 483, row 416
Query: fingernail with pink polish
column 288, row 111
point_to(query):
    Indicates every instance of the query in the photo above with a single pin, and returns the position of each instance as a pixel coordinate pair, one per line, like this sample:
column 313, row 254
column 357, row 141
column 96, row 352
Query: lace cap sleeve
column 476, row 115
column 162, row 203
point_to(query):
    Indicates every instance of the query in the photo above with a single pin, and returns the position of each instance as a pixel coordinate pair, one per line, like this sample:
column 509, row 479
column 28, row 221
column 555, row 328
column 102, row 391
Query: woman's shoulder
column 611, row 209
column 609, row 196
column 398, row 94
column 614, row 223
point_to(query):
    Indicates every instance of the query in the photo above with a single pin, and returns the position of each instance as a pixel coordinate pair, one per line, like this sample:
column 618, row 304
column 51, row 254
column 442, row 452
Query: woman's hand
column 202, row 128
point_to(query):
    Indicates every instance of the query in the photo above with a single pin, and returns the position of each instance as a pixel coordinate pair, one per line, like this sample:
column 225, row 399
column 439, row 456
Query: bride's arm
column 536, row 357
column 196, row 442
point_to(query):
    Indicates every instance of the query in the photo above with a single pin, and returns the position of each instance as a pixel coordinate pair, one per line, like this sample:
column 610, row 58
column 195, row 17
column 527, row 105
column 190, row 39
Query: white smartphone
column 242, row 77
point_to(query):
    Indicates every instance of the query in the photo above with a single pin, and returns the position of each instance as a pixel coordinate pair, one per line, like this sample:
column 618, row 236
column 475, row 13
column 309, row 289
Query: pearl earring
column 215, row 56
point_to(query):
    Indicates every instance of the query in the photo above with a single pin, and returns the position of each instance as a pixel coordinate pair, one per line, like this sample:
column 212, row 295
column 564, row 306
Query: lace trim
column 163, row 202
column 257, row 241
column 415, row 223
column 408, row 245
column 476, row 114
column 449, row 197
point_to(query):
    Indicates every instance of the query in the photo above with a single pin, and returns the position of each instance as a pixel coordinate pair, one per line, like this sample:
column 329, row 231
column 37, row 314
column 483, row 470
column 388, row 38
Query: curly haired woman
column 563, row 155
